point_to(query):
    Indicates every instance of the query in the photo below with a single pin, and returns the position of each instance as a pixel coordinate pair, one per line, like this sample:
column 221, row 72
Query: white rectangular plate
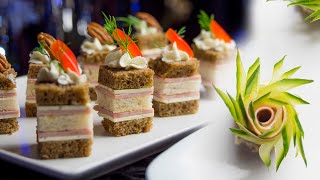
column 109, row 153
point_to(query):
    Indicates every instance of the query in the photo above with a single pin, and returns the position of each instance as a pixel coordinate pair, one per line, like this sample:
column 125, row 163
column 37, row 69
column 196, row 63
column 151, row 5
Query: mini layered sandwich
column 64, row 120
column 9, row 108
column 213, row 47
column 39, row 58
column 149, row 34
column 93, row 54
column 176, row 81
column 125, row 87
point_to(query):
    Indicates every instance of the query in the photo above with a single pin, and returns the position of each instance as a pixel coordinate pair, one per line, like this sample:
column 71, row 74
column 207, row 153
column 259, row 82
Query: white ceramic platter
column 109, row 153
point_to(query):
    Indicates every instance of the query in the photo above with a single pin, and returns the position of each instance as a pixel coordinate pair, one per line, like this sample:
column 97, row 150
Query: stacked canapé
column 39, row 58
column 125, row 87
column 149, row 33
column 93, row 54
column 214, row 48
column 176, row 81
column 9, row 108
column 64, row 120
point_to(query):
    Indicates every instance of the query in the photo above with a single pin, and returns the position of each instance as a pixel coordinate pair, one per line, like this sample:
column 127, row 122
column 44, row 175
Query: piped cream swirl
column 37, row 57
column 144, row 29
column 93, row 46
column 56, row 74
column 118, row 59
column 171, row 53
column 206, row 41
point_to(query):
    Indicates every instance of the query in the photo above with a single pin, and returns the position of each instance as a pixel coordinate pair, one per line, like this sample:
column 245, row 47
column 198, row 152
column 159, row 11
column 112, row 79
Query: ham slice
column 9, row 114
column 65, row 133
column 6, row 95
column 174, row 96
column 122, row 114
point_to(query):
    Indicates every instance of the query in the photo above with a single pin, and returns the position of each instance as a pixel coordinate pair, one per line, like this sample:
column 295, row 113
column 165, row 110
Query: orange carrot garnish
column 181, row 43
column 219, row 32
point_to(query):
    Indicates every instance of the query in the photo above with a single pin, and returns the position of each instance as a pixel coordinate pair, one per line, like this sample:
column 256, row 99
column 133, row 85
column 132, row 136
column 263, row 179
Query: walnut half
column 95, row 30
column 46, row 40
column 151, row 21
column 4, row 64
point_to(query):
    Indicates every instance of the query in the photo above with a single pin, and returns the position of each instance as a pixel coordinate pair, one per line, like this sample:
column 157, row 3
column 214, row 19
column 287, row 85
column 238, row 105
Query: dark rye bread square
column 31, row 109
column 92, row 94
column 49, row 94
column 125, row 79
column 34, row 70
column 65, row 149
column 175, row 109
column 174, row 69
column 127, row 127
column 151, row 41
column 210, row 55
column 8, row 126
column 5, row 83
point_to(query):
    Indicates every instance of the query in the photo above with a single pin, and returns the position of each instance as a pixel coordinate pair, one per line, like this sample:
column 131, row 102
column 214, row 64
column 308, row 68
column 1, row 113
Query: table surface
column 274, row 30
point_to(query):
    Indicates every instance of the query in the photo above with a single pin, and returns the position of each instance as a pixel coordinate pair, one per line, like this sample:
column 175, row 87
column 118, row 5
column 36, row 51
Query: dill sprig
column 313, row 5
column 181, row 31
column 40, row 49
column 111, row 26
column 130, row 20
column 204, row 20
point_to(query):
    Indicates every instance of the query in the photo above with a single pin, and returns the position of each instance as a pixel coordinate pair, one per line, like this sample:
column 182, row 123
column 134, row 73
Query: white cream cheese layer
column 143, row 28
column 124, row 104
column 55, row 121
column 171, row 53
column 57, row 74
column 127, row 91
column 64, row 138
column 125, row 116
column 64, row 108
column 37, row 57
column 117, row 59
column 177, row 98
column 177, row 85
column 206, row 41
column 94, row 46
column 9, row 107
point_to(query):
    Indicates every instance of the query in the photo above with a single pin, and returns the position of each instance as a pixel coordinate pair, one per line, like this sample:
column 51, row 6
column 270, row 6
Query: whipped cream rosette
column 265, row 113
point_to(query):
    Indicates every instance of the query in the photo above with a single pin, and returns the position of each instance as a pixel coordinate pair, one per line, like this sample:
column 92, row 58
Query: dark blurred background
column 22, row 20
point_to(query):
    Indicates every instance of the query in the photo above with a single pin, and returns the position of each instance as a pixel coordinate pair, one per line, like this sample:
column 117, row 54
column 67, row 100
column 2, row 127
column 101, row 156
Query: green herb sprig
column 130, row 20
column 181, row 31
column 111, row 26
column 204, row 20
column 40, row 49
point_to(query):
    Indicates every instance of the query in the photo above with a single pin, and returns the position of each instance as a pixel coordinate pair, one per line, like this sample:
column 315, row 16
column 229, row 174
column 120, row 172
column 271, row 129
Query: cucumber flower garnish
column 265, row 113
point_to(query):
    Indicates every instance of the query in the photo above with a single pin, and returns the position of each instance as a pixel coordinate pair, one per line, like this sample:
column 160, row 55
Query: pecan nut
column 4, row 64
column 95, row 30
column 151, row 21
column 46, row 40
